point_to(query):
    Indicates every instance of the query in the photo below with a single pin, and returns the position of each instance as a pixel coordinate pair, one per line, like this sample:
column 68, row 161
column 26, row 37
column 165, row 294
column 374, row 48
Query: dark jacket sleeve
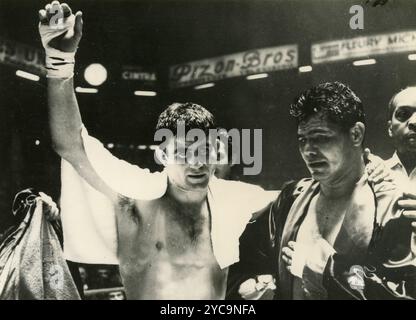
column 378, row 277
column 389, row 269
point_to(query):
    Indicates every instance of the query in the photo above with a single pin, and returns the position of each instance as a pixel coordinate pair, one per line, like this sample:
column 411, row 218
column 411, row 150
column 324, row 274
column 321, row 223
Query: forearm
column 60, row 43
column 64, row 117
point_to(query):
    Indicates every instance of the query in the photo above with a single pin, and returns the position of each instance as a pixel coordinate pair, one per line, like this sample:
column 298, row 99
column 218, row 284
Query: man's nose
column 412, row 122
column 309, row 149
column 195, row 162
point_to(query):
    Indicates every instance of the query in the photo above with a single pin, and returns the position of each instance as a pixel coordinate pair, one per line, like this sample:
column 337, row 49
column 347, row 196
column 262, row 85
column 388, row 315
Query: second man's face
column 325, row 148
column 402, row 126
column 190, row 165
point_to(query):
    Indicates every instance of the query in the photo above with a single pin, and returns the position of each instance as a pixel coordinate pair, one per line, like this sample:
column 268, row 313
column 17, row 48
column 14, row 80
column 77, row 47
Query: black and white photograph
column 196, row 150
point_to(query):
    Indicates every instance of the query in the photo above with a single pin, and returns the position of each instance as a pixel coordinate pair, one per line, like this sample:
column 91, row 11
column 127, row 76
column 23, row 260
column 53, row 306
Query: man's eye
column 403, row 115
column 181, row 155
column 203, row 151
column 208, row 150
column 301, row 141
column 321, row 139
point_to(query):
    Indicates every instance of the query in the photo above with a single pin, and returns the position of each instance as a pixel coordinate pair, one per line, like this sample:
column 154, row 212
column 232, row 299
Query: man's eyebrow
column 405, row 107
column 188, row 144
column 318, row 130
column 179, row 147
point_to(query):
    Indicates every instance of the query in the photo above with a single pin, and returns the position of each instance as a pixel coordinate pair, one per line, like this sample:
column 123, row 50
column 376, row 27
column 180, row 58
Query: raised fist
column 59, row 28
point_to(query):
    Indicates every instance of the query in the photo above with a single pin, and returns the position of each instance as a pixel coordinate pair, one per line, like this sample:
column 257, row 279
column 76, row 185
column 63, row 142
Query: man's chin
column 319, row 175
column 197, row 183
column 411, row 147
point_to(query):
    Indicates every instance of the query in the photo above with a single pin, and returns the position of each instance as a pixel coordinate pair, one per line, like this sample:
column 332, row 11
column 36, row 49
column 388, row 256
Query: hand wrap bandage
column 59, row 64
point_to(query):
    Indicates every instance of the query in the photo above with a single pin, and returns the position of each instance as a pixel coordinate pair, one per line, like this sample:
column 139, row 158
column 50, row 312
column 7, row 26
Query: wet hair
column 335, row 100
column 194, row 116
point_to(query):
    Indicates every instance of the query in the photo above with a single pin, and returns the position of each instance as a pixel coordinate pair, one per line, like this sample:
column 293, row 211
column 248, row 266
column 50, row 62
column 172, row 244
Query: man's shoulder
column 233, row 186
column 386, row 194
column 386, row 188
column 294, row 188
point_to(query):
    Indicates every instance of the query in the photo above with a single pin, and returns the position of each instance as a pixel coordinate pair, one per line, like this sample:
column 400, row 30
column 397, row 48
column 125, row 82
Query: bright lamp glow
column 145, row 93
column 95, row 74
column 305, row 69
column 365, row 62
column 204, row 86
column 412, row 57
column 86, row 90
column 257, row 76
column 27, row 75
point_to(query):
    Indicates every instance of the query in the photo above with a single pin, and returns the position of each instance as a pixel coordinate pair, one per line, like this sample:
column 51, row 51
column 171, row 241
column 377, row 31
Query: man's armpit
column 127, row 206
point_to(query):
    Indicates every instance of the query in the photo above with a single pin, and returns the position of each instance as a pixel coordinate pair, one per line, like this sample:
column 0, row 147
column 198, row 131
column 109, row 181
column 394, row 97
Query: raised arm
column 61, row 32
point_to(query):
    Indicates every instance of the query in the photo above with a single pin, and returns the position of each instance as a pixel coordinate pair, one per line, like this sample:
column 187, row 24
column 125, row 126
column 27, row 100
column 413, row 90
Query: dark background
column 158, row 34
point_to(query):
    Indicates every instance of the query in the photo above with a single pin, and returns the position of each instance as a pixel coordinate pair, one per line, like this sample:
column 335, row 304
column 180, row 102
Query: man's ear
column 222, row 152
column 389, row 129
column 161, row 157
column 357, row 133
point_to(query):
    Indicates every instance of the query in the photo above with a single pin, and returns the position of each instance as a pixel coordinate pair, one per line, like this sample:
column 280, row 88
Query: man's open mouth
column 411, row 138
column 197, row 175
column 317, row 164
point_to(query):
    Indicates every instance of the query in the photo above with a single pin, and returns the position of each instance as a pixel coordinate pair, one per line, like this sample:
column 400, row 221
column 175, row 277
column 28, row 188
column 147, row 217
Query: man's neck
column 184, row 196
column 344, row 184
column 408, row 159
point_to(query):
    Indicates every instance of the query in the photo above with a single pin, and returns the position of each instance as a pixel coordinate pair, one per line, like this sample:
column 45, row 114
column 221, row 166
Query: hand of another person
column 261, row 288
column 49, row 207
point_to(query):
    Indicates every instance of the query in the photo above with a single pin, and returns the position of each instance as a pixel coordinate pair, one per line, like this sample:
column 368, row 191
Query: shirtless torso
column 324, row 218
column 165, row 251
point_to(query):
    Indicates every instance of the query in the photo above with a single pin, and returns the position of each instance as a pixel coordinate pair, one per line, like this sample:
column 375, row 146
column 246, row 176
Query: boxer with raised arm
column 177, row 230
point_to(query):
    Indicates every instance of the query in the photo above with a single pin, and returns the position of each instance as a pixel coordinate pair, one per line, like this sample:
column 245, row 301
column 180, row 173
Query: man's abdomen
column 171, row 280
column 160, row 258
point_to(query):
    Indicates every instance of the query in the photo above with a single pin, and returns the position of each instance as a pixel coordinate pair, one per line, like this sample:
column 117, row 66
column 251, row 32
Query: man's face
column 83, row 274
column 402, row 126
column 103, row 273
column 326, row 150
column 116, row 295
column 190, row 165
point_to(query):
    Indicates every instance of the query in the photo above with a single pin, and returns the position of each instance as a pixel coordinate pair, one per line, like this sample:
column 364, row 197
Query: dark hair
column 334, row 100
column 194, row 116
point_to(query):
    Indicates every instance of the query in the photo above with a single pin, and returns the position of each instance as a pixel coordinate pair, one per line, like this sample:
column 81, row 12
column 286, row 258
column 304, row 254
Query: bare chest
column 165, row 252
column 162, row 231
column 324, row 219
